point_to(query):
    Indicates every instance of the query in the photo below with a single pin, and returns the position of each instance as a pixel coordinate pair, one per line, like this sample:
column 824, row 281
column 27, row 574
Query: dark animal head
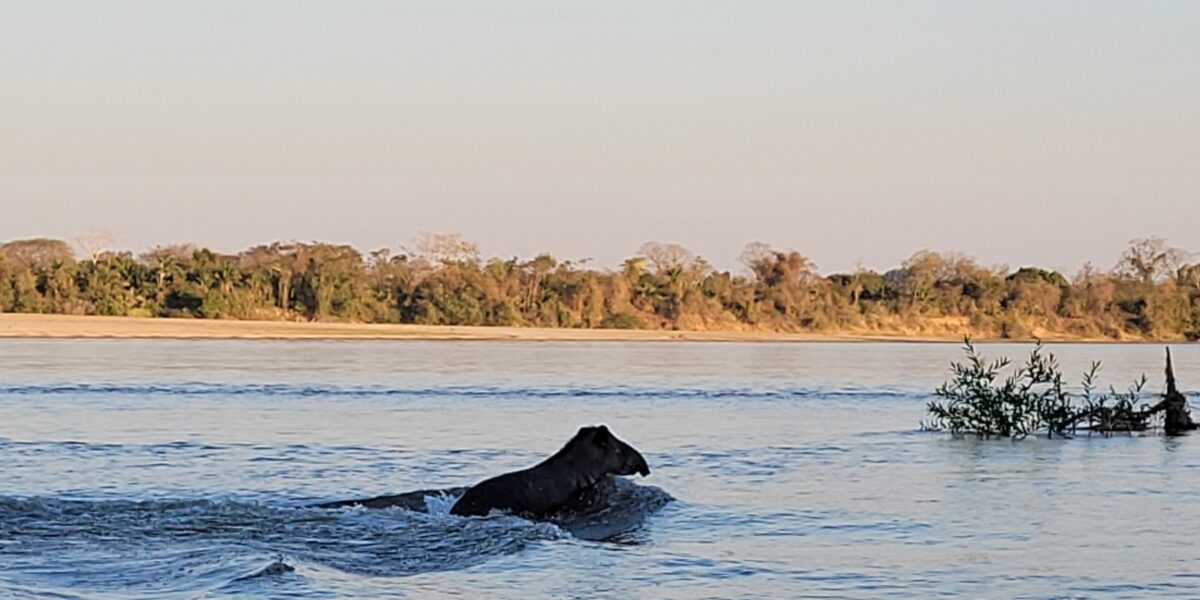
column 598, row 447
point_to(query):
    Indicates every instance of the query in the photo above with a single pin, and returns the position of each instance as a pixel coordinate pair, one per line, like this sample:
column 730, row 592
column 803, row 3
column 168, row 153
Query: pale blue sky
column 856, row 132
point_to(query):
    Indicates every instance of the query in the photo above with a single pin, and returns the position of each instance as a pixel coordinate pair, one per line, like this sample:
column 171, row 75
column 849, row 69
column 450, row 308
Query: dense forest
column 1152, row 293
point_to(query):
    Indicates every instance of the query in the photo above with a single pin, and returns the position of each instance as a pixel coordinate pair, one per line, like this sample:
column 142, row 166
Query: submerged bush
column 1115, row 411
column 1032, row 399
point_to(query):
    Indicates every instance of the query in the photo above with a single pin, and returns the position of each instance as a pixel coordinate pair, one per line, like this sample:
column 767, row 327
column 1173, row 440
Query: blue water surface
column 184, row 469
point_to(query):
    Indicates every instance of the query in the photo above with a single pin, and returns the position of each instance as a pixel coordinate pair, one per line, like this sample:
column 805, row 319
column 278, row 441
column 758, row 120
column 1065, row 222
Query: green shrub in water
column 1033, row 398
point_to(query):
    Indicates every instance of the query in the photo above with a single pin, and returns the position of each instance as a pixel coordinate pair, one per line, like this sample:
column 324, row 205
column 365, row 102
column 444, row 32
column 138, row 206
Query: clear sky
column 1044, row 133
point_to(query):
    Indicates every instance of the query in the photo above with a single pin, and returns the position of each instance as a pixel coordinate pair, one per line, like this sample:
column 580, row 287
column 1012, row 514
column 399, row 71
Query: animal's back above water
column 588, row 458
column 527, row 492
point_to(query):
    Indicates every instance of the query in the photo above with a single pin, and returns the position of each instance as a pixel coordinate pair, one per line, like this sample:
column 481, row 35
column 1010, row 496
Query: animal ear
column 603, row 436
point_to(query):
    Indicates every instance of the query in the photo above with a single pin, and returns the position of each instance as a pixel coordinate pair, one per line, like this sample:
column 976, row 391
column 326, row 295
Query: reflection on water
column 182, row 469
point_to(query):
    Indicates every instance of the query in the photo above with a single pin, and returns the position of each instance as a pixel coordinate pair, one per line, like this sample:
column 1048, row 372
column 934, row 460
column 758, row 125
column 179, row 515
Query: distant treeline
column 1153, row 293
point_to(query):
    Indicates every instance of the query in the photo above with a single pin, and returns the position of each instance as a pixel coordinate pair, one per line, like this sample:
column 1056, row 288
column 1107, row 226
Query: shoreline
column 38, row 326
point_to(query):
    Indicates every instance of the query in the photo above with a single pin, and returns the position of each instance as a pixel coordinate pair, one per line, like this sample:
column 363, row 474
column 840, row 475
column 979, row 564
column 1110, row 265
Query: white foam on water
column 440, row 504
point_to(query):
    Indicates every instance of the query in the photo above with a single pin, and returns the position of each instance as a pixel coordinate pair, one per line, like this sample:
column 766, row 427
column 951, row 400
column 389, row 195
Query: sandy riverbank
column 62, row 326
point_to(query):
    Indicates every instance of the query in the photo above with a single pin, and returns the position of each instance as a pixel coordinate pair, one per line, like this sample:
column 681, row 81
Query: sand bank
column 63, row 326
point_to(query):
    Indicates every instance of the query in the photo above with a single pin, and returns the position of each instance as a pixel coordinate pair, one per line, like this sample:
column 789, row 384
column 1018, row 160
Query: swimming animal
column 591, row 456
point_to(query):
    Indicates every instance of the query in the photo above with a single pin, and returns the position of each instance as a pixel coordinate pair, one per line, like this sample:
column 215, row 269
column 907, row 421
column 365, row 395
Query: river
column 185, row 469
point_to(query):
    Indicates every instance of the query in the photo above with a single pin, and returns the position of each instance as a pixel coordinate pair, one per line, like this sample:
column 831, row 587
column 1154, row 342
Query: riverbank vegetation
column 1153, row 293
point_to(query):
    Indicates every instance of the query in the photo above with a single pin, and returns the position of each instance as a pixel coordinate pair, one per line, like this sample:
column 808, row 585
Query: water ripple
column 185, row 546
column 287, row 391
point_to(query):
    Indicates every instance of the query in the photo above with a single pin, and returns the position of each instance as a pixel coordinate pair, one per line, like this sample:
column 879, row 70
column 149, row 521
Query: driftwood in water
column 1176, row 416
column 1108, row 420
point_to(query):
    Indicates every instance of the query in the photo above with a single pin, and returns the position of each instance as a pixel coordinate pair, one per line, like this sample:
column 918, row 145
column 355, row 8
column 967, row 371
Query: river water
column 183, row 469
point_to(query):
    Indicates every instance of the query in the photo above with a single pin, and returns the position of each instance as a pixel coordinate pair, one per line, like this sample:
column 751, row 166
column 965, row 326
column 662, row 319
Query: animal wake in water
column 578, row 489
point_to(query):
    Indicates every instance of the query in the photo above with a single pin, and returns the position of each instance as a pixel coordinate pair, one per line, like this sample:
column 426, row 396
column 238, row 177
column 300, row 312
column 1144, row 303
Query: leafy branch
column 1033, row 398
